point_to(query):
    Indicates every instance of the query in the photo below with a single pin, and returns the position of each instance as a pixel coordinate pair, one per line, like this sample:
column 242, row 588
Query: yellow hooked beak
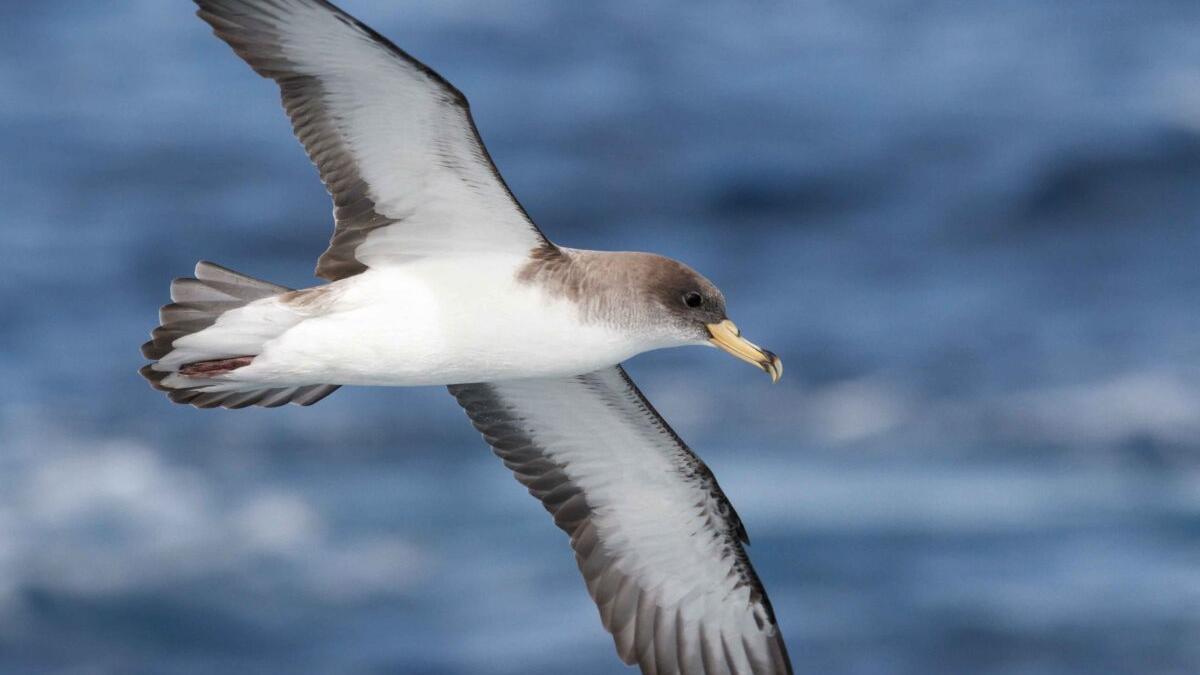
column 727, row 336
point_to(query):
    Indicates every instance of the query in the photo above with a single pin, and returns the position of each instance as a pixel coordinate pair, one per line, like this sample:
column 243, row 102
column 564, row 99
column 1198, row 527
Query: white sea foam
column 102, row 518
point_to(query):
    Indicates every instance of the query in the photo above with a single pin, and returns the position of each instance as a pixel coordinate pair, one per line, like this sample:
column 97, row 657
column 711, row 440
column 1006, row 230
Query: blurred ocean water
column 970, row 229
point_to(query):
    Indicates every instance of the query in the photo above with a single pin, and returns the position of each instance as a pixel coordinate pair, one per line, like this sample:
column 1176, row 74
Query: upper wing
column 394, row 142
column 657, row 541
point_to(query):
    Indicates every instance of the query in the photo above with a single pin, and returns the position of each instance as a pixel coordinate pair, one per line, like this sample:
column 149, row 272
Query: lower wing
column 658, row 543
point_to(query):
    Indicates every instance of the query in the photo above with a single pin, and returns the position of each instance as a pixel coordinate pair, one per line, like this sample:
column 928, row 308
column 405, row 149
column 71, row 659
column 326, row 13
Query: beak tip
column 774, row 368
column 726, row 335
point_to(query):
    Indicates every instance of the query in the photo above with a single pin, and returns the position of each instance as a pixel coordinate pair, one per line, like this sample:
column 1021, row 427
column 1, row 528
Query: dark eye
column 693, row 299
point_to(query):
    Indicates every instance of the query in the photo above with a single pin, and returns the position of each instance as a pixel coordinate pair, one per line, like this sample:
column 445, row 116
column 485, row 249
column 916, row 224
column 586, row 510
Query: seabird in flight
column 437, row 276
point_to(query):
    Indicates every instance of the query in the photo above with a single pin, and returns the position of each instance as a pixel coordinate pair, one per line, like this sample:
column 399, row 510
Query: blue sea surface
column 971, row 229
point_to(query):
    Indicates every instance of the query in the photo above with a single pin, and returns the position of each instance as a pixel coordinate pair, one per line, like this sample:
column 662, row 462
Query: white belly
column 443, row 321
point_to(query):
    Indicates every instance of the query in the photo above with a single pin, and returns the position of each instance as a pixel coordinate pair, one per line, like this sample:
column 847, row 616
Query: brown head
column 662, row 300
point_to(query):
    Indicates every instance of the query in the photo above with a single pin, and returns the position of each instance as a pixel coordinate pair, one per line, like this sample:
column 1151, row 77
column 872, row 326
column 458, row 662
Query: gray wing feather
column 646, row 598
column 393, row 141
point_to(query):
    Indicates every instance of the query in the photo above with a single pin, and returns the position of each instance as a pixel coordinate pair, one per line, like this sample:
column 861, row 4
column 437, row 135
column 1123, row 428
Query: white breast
column 442, row 320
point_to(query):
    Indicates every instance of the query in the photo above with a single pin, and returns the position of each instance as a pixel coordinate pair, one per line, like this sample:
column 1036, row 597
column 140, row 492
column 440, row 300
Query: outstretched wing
column 658, row 543
column 394, row 142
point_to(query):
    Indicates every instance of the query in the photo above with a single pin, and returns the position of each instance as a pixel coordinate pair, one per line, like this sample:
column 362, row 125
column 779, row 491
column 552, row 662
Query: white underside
column 436, row 320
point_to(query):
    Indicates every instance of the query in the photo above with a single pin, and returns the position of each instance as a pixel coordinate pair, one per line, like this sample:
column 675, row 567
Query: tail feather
column 197, row 304
column 265, row 398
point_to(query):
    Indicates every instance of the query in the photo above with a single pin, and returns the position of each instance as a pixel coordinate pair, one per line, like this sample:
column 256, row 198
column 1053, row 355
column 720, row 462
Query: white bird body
column 434, row 320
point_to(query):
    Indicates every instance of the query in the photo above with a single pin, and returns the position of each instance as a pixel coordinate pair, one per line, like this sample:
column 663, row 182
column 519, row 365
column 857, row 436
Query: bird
column 436, row 275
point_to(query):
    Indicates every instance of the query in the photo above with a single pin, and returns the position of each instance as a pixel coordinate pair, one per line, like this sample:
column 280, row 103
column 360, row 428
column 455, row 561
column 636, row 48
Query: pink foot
column 214, row 368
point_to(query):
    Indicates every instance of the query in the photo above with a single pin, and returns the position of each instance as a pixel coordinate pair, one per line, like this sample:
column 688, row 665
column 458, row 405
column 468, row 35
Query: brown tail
column 196, row 304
